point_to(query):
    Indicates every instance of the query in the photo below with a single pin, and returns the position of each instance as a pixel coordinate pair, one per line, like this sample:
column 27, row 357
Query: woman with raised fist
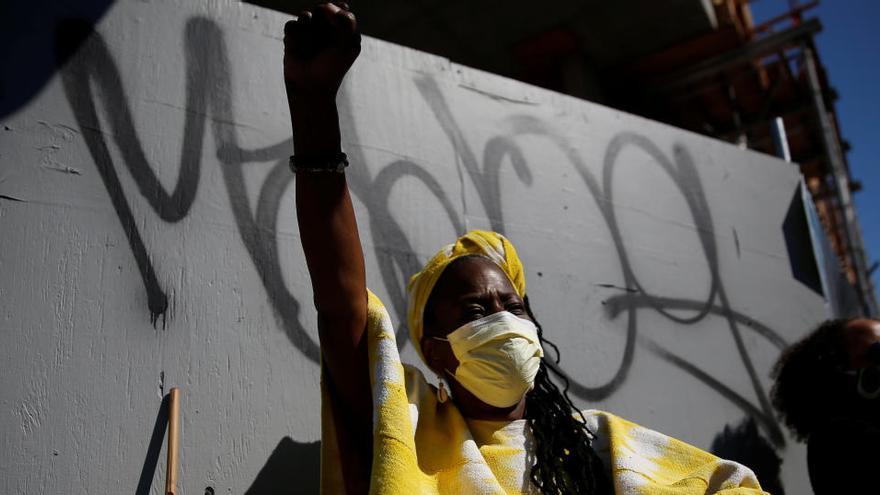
column 505, row 427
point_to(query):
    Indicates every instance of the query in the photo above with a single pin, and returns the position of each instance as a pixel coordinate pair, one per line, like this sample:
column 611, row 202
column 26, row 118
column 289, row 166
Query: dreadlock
column 565, row 461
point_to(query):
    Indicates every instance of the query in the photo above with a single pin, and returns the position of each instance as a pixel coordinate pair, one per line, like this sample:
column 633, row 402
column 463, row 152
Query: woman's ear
column 439, row 356
column 430, row 351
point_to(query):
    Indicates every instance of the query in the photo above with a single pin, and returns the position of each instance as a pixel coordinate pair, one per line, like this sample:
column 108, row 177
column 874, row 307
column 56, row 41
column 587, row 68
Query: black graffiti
column 94, row 64
column 683, row 172
column 208, row 91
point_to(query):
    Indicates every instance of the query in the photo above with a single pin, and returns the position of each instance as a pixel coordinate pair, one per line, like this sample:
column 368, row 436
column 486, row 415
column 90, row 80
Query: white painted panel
column 152, row 168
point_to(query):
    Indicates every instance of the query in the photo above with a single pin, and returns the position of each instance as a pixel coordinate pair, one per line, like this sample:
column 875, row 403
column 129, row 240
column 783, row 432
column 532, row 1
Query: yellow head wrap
column 491, row 245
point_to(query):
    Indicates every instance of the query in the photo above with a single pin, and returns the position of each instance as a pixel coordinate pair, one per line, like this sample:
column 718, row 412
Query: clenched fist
column 319, row 48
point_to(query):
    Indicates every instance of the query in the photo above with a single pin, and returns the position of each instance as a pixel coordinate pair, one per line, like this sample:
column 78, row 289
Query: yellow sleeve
column 646, row 462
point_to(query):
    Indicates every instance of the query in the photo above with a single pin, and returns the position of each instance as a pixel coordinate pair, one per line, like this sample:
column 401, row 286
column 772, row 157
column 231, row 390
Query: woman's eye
column 474, row 313
column 517, row 309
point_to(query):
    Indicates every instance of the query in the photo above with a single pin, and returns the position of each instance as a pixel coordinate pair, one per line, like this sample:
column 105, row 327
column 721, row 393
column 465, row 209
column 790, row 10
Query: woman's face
column 469, row 289
column 858, row 338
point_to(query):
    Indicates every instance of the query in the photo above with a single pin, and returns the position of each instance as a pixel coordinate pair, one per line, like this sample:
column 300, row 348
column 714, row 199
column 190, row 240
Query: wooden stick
column 173, row 441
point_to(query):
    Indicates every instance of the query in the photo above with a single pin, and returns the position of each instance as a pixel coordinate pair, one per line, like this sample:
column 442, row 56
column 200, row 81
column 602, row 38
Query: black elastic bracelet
column 331, row 163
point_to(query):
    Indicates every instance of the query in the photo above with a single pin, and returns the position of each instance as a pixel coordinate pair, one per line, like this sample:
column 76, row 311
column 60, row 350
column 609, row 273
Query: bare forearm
column 327, row 223
column 330, row 240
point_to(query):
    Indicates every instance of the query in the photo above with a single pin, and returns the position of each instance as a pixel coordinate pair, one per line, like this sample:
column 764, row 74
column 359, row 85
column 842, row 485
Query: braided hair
column 565, row 461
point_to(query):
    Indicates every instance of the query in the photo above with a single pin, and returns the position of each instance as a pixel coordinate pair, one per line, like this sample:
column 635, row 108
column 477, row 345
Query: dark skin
column 858, row 336
column 319, row 48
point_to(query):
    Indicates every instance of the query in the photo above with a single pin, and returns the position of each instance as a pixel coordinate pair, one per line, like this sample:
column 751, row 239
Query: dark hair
column 565, row 460
column 809, row 384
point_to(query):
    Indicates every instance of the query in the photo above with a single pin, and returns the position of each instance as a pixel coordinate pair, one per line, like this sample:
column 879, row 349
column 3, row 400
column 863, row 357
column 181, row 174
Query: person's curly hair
column 809, row 385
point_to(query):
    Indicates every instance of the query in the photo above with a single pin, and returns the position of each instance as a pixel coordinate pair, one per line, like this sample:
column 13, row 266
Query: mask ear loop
column 868, row 392
column 871, row 375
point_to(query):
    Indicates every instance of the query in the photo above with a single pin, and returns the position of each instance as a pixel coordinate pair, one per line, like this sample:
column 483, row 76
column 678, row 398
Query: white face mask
column 498, row 357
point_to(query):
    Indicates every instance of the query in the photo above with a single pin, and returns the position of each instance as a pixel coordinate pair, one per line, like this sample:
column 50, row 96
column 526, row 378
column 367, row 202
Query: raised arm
column 319, row 48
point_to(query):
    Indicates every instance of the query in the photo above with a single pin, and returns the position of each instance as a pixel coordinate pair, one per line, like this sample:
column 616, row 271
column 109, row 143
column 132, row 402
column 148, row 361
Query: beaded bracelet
column 335, row 163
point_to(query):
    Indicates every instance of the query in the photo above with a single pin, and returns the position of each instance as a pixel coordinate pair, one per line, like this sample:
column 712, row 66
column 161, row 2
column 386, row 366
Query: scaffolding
column 732, row 83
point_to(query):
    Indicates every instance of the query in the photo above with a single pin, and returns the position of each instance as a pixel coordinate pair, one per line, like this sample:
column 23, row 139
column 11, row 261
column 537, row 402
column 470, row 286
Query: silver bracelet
column 335, row 163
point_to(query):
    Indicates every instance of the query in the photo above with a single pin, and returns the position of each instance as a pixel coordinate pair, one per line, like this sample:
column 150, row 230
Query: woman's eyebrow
column 473, row 297
column 478, row 297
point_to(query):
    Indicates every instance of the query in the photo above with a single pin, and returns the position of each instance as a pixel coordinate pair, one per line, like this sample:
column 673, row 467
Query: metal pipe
column 852, row 233
column 780, row 140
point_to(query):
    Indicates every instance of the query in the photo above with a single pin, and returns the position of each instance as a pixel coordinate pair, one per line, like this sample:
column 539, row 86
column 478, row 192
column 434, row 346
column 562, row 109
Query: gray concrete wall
column 149, row 241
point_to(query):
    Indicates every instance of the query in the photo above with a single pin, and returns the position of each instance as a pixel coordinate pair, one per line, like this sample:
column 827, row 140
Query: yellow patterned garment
column 423, row 447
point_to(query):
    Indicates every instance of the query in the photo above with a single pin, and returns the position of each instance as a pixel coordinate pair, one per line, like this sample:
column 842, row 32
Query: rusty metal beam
column 734, row 58
column 849, row 222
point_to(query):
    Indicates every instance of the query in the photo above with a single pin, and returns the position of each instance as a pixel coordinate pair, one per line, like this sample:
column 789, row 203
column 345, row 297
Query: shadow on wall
column 145, row 482
column 293, row 467
column 746, row 446
column 27, row 45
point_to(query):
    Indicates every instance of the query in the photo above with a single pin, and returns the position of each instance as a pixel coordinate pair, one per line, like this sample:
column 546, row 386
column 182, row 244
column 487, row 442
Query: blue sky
column 848, row 47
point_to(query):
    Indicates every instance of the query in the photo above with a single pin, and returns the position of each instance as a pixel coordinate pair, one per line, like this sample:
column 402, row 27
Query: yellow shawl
column 423, row 447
